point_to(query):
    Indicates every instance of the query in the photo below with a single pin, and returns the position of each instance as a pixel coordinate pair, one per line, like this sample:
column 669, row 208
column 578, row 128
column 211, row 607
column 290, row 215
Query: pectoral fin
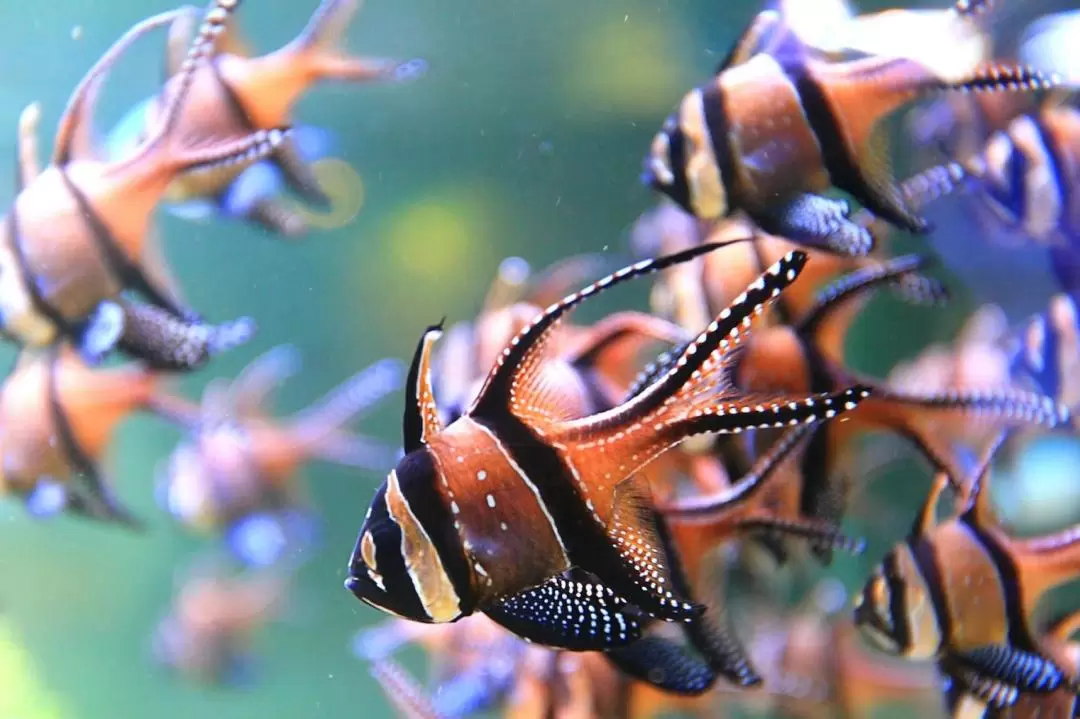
column 570, row 611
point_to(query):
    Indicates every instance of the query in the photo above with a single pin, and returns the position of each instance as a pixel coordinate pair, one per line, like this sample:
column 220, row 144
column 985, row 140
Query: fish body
column 235, row 93
column 725, row 150
column 60, row 416
column 236, row 473
column 203, row 198
column 963, row 592
column 437, row 543
column 76, row 234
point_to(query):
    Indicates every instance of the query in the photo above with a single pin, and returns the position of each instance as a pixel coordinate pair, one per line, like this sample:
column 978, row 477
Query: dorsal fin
column 421, row 418
column 81, row 101
column 754, row 39
column 494, row 397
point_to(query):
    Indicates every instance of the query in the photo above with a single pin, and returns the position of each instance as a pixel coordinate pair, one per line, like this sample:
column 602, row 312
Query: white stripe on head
column 422, row 562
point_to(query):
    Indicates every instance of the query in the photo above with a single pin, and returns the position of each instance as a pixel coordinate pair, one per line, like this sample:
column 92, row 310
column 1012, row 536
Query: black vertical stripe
column 417, row 476
column 841, row 165
column 714, row 101
column 1017, row 632
column 901, row 627
column 586, row 543
column 41, row 305
column 124, row 270
column 926, row 561
column 60, row 421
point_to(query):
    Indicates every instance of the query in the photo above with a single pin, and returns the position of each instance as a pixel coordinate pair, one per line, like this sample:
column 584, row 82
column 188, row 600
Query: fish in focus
column 590, row 539
column 59, row 417
column 723, row 151
column 236, row 474
column 963, row 592
column 235, row 93
column 207, row 635
column 76, row 234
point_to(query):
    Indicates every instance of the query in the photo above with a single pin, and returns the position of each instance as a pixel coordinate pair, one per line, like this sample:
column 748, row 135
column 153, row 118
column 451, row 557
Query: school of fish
column 626, row 518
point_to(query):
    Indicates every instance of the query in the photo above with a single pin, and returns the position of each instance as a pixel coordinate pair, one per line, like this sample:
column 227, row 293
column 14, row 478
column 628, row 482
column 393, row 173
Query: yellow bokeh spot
column 23, row 695
column 345, row 188
column 624, row 65
column 442, row 235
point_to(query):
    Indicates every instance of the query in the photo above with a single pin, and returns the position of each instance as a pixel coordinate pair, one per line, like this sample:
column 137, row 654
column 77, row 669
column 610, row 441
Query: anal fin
column 569, row 611
column 1004, row 664
column 819, row 222
column 165, row 342
column 643, row 575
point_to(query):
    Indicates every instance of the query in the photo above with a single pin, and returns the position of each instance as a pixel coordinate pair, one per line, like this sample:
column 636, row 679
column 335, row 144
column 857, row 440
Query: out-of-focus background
column 524, row 138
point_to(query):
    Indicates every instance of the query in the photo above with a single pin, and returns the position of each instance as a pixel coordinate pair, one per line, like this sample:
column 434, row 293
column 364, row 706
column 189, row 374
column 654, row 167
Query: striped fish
column 963, row 592
column 77, row 235
column 532, row 518
column 779, row 124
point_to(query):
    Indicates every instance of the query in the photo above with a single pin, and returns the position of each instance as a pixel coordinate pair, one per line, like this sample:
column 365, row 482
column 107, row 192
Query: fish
column 206, row 636
column 235, row 475
column 775, row 171
column 59, row 416
column 436, row 544
column 76, row 234
column 807, row 356
column 963, row 593
column 235, row 92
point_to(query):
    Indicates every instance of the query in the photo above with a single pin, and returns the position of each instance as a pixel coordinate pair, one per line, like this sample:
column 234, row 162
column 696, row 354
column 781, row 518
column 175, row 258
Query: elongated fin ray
column 421, row 419
column 75, row 114
column 754, row 39
column 853, row 285
column 569, row 612
column 494, row 396
column 823, row 537
column 403, row 692
column 251, row 389
column 181, row 32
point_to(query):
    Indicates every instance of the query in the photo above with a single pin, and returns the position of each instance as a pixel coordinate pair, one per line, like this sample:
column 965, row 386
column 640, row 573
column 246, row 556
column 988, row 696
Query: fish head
column 894, row 611
column 664, row 166
column 396, row 565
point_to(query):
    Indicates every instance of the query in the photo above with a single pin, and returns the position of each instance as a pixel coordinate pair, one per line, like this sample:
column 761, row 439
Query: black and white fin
column 664, row 664
column 569, row 611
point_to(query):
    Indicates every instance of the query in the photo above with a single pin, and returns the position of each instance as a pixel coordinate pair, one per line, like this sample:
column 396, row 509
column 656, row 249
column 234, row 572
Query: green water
column 525, row 138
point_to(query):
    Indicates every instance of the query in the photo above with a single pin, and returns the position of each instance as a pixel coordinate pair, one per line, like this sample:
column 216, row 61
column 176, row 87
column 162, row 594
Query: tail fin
column 318, row 48
column 319, row 428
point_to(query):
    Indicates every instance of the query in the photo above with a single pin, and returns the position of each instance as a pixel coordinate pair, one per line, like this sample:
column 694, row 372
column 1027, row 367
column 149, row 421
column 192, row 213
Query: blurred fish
column 57, row 418
column 254, row 195
column 235, row 92
column 207, row 635
column 964, row 592
column 436, row 544
column 78, row 232
column 477, row 666
column 236, row 474
column 774, row 171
